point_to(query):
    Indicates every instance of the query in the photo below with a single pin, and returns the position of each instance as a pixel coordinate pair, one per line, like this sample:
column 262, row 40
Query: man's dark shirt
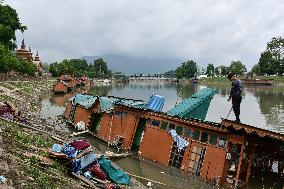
column 237, row 88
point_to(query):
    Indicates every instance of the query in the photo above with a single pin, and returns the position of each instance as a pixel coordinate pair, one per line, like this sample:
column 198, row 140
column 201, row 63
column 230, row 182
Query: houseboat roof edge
column 194, row 122
column 251, row 129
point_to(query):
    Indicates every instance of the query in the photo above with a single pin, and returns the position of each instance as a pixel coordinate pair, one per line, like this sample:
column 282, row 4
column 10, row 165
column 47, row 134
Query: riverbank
column 21, row 171
column 224, row 80
column 24, row 159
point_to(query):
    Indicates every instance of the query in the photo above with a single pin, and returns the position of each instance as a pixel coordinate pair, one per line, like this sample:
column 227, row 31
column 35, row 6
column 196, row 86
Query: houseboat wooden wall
column 105, row 126
column 156, row 145
column 59, row 87
column 123, row 124
column 69, row 79
column 67, row 112
column 207, row 145
column 81, row 114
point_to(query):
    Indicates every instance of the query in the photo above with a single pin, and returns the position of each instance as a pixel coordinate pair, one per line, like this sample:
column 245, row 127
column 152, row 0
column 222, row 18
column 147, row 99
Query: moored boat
column 258, row 81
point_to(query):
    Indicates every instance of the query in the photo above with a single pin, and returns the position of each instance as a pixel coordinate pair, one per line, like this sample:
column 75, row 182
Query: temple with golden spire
column 28, row 56
column 24, row 53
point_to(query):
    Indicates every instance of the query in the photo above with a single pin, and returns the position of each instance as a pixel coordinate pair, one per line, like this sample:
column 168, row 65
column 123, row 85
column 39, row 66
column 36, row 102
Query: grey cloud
column 215, row 31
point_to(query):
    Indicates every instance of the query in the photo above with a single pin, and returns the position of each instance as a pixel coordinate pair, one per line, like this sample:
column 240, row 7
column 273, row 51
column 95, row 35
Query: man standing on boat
column 236, row 94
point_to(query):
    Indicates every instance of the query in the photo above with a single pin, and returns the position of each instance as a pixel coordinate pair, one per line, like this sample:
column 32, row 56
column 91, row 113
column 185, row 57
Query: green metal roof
column 195, row 106
column 84, row 100
column 106, row 102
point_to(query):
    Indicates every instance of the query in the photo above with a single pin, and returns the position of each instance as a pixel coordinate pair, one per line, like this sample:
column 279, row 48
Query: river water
column 262, row 106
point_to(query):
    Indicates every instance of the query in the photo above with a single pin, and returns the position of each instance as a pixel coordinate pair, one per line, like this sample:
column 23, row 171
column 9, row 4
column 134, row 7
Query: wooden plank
column 85, row 180
column 78, row 133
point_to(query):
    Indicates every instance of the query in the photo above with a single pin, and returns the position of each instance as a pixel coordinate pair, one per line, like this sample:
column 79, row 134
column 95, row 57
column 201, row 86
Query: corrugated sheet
column 84, row 100
column 156, row 103
column 192, row 103
column 106, row 102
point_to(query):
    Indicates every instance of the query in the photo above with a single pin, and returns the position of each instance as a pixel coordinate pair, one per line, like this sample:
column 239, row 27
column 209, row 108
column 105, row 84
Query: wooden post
column 240, row 162
column 249, row 164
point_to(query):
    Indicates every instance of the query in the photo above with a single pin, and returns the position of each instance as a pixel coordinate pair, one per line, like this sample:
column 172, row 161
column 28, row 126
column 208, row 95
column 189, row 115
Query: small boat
column 258, row 81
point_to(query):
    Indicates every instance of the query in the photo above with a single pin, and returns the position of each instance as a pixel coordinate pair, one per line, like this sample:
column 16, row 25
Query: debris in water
column 2, row 179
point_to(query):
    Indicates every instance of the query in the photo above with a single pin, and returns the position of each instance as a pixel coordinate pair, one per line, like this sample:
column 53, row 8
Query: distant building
column 202, row 76
column 28, row 56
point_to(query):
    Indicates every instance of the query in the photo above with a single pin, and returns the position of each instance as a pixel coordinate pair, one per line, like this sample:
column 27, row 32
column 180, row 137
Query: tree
column 256, row 70
column 217, row 71
column 237, row 67
column 187, row 70
column 266, row 64
column 272, row 59
column 170, row 74
column 9, row 62
column 9, row 23
column 101, row 68
column 210, row 70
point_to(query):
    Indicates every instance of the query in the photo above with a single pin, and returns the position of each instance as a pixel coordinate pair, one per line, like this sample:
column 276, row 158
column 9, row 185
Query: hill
column 131, row 65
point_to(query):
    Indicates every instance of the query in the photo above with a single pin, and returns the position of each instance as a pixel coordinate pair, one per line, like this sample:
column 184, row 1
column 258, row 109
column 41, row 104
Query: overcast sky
column 215, row 31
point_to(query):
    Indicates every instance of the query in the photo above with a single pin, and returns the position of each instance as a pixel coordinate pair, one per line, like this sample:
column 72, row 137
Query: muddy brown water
column 262, row 106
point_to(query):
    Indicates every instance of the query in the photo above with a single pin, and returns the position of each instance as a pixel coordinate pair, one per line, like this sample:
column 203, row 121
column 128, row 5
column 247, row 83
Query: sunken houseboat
column 64, row 83
column 227, row 152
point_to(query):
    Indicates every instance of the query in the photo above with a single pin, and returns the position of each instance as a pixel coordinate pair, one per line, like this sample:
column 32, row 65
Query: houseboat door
column 213, row 164
column 95, row 122
column 138, row 134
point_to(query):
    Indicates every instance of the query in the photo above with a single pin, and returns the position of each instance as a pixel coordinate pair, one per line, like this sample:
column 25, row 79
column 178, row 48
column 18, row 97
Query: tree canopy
column 170, row 74
column 9, row 23
column 238, row 67
column 187, row 69
column 210, row 70
column 79, row 67
column 271, row 61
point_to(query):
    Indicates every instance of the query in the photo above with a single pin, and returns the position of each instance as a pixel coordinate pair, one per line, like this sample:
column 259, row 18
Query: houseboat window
column 213, row 139
column 179, row 130
column 187, row 133
column 172, row 126
column 204, row 137
column 196, row 159
column 164, row 125
column 123, row 114
column 155, row 123
column 117, row 113
column 222, row 142
column 196, row 134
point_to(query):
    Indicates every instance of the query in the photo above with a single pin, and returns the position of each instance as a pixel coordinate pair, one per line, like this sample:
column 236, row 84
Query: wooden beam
column 250, row 163
column 240, row 162
column 85, row 180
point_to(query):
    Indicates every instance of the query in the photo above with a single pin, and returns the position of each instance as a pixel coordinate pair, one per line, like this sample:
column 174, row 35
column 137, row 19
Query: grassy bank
column 20, row 171
column 24, row 172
